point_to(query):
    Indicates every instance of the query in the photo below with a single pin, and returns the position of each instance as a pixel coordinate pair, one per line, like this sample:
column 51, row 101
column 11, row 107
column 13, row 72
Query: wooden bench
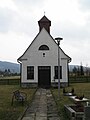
column 19, row 96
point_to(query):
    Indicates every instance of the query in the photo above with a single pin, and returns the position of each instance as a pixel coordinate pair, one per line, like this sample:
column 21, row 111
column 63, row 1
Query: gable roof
column 44, row 19
column 20, row 58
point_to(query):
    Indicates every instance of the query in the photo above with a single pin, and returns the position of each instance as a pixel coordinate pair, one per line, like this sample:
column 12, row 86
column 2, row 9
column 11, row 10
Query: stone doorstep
column 41, row 118
column 51, row 108
column 33, row 118
column 49, row 95
column 54, row 118
column 42, row 104
column 41, row 114
column 37, row 111
column 37, row 114
column 44, row 111
column 51, row 112
column 49, row 101
column 28, row 118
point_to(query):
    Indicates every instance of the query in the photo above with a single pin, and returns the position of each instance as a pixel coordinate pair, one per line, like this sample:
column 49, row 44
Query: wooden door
column 44, row 76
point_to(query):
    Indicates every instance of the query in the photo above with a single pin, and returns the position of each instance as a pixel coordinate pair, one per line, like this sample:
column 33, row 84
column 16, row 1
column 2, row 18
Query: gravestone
column 87, row 113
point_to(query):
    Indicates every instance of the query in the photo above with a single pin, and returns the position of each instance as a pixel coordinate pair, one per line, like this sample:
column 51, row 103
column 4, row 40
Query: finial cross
column 44, row 12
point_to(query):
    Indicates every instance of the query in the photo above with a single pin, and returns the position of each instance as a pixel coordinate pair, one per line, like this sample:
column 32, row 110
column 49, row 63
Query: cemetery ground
column 79, row 88
column 8, row 112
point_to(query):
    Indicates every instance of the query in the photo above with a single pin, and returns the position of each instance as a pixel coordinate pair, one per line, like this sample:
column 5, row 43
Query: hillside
column 71, row 67
column 14, row 67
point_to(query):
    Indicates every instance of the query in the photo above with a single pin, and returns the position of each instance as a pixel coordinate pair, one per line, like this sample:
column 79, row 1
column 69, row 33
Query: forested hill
column 77, row 67
column 13, row 67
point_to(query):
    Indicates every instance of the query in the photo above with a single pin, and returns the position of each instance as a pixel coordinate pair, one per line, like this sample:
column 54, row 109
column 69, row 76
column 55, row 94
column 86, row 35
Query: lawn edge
column 23, row 113
column 55, row 101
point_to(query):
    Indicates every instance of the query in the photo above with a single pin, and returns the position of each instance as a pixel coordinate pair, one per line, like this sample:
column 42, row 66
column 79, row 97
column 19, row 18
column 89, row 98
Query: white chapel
column 39, row 63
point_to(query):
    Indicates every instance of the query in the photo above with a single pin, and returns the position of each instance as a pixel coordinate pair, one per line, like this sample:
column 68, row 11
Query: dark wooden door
column 44, row 76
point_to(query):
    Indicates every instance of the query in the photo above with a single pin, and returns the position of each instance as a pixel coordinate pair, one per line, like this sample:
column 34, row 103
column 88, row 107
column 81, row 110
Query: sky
column 70, row 19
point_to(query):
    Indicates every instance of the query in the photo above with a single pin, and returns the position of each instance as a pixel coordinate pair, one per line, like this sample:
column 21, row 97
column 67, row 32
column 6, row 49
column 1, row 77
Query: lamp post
column 58, row 39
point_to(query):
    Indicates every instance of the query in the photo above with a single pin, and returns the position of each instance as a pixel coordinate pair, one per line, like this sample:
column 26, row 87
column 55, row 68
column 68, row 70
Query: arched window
column 43, row 47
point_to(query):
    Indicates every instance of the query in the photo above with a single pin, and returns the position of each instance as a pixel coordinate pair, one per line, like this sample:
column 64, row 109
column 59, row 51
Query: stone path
column 43, row 107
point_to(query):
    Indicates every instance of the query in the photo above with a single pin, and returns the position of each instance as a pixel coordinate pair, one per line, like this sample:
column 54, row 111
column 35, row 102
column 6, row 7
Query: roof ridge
column 44, row 18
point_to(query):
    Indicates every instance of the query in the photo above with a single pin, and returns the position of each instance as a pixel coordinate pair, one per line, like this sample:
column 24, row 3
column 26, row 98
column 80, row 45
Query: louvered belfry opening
column 44, row 22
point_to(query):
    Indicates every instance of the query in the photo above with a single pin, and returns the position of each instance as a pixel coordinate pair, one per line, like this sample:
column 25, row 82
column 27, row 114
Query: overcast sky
column 70, row 19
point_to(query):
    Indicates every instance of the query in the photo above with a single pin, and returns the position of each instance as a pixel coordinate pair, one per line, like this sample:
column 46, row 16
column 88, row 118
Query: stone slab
column 28, row 118
column 43, row 107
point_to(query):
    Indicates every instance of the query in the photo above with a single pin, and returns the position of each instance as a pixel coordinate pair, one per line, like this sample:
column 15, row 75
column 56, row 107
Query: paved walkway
column 43, row 107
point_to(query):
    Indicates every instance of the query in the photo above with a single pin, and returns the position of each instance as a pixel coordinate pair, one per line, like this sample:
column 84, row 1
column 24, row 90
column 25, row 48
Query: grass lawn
column 8, row 112
column 80, row 89
column 10, row 77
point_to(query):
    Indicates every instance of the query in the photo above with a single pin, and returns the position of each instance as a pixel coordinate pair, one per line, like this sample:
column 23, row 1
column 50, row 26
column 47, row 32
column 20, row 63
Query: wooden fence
column 14, row 80
column 79, row 79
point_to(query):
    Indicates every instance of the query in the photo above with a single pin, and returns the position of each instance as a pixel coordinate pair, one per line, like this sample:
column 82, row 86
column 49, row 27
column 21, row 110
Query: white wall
column 35, row 57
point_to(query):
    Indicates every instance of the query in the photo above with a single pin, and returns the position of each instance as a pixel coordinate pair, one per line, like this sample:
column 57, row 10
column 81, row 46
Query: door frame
column 48, row 68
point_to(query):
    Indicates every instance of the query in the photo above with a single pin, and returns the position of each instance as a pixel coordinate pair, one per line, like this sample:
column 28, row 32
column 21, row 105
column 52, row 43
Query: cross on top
column 44, row 12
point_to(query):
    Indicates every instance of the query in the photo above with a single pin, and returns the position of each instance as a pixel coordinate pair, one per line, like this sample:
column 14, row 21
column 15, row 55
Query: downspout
column 68, row 70
column 20, row 70
column 68, row 73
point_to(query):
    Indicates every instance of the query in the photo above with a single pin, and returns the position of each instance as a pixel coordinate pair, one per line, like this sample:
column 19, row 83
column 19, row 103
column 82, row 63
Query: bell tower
column 44, row 22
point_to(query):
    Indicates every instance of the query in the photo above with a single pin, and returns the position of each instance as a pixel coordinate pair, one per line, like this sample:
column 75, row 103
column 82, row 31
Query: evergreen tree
column 75, row 70
column 81, row 69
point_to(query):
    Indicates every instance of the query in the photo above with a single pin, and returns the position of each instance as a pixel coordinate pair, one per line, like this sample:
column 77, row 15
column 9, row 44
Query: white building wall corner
column 64, row 79
column 34, row 57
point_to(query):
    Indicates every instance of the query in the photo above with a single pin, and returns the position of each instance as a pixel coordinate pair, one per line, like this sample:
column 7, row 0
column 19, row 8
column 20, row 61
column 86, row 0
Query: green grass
column 80, row 89
column 10, row 77
column 8, row 112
